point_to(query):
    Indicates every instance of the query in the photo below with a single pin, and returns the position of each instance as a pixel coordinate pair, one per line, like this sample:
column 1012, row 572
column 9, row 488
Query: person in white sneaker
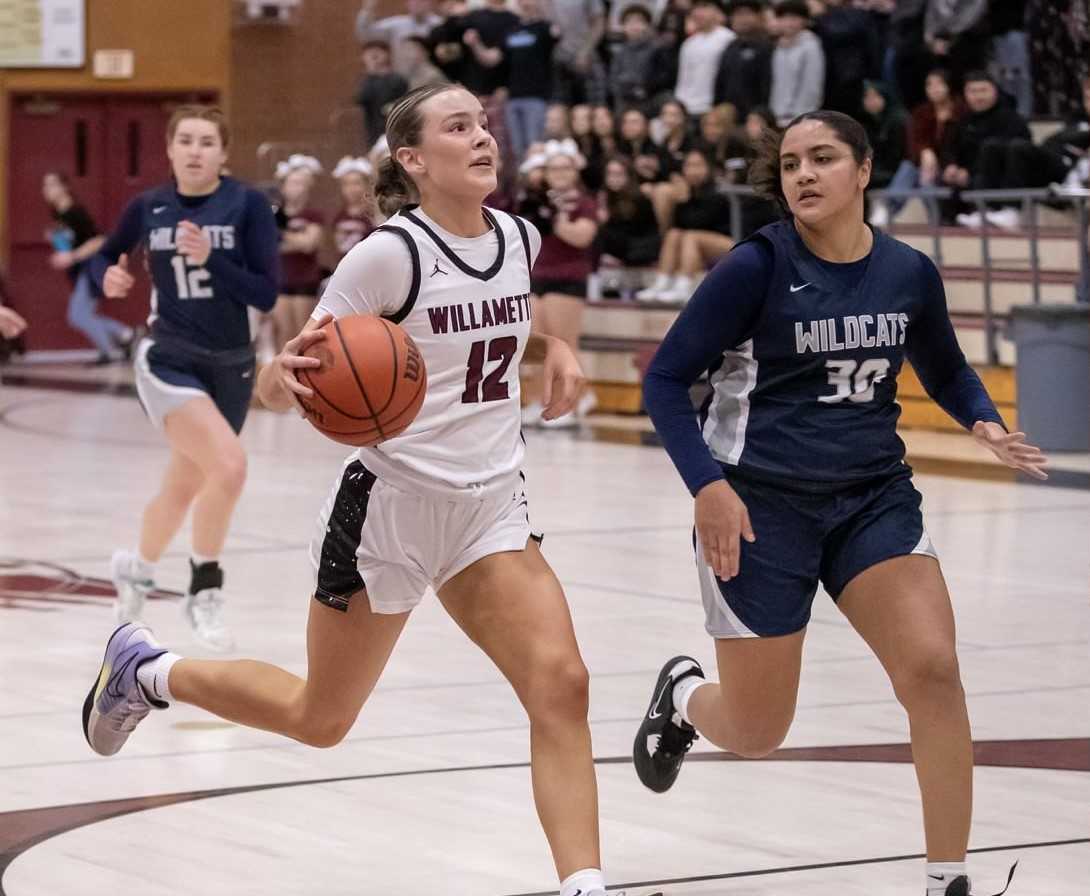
column 698, row 237
column 212, row 249
column 567, row 217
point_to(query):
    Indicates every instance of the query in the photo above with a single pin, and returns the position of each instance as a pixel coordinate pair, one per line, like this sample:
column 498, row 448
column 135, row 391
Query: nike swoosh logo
column 937, row 876
column 247, row 374
column 797, row 288
column 158, row 209
column 654, row 714
column 112, row 689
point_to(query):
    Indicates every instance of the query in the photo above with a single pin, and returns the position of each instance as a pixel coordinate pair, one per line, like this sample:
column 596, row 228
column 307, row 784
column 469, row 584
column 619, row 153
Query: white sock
column 939, row 875
column 142, row 568
column 583, row 883
column 683, row 690
column 154, row 676
column 201, row 559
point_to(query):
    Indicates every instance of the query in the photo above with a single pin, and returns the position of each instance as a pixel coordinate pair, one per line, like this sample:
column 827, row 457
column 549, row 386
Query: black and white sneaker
column 959, row 886
column 664, row 737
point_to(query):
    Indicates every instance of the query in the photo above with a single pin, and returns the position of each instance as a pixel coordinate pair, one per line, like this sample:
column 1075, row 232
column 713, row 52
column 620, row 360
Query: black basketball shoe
column 664, row 737
column 959, row 886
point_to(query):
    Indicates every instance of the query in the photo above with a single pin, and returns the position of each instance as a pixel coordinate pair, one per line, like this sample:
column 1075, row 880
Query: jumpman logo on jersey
column 436, row 270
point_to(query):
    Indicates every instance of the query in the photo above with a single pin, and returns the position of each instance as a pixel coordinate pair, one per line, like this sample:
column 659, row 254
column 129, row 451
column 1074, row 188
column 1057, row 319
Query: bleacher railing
column 1029, row 200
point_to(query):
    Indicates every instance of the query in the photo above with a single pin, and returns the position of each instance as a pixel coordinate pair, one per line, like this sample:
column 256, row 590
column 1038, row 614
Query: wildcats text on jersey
column 222, row 236
column 853, row 331
column 480, row 314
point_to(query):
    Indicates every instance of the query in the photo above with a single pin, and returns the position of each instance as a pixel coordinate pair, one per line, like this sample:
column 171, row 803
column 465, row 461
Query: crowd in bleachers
column 660, row 104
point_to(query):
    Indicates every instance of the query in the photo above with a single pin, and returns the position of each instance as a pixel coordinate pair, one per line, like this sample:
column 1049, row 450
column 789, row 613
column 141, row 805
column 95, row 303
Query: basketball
column 370, row 385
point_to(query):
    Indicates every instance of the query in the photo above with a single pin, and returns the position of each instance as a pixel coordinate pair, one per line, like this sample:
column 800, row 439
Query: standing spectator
column 851, row 50
column 356, row 217
column 698, row 61
column 979, row 137
column 529, row 52
column 956, row 33
column 886, row 124
column 1010, row 53
column 484, row 37
column 798, row 64
column 628, row 235
column 930, row 131
column 380, row 89
column 1059, row 34
column 632, row 70
column 1018, row 163
column 578, row 73
column 744, row 78
column 75, row 239
column 567, row 218
column 700, row 235
column 911, row 60
column 300, row 242
column 445, row 39
column 419, row 21
column 420, row 71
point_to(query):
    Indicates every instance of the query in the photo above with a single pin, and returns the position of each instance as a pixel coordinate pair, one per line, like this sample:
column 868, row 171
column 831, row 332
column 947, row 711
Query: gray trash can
column 1053, row 374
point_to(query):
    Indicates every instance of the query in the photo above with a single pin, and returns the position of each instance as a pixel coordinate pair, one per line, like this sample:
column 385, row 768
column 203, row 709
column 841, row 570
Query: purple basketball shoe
column 117, row 703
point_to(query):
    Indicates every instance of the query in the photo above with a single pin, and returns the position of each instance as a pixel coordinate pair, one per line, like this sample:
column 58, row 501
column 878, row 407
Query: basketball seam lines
column 356, row 376
column 317, row 391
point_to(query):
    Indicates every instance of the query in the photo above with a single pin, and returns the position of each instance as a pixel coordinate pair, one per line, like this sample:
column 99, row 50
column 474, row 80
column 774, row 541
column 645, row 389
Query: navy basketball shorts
column 396, row 544
column 170, row 374
column 805, row 538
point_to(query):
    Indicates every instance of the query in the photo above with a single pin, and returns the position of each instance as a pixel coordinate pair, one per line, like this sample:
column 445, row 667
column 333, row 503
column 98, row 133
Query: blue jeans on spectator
column 907, row 177
column 1012, row 69
column 525, row 123
column 104, row 333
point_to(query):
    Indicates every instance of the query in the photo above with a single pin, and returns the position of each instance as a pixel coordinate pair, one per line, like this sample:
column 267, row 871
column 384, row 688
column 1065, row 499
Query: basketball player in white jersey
column 441, row 505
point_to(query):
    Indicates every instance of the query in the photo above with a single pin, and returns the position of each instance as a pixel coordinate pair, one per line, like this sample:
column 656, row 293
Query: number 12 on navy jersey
column 190, row 280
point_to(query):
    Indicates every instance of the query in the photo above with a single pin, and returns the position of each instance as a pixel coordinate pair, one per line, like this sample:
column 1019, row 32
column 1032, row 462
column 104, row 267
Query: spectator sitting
column 798, row 64
column 930, row 131
column 529, row 59
column 698, row 60
column 886, row 124
column 629, row 234
column 699, row 235
column 981, row 138
column 1019, row 164
column 675, row 140
column 380, row 89
column 759, row 127
column 300, row 242
column 744, row 78
column 638, row 147
column 632, row 69
column 418, row 21
column 581, row 124
column 718, row 141
column 356, row 218
column 557, row 124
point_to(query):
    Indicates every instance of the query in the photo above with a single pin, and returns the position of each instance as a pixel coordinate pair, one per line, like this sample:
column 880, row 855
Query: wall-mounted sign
column 112, row 64
column 42, row 34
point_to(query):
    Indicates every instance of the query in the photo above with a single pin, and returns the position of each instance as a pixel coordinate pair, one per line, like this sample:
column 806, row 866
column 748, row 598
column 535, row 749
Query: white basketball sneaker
column 132, row 582
column 203, row 607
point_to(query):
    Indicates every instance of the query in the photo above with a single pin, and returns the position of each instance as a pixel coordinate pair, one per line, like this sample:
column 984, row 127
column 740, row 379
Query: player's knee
column 756, row 742
column 230, row 471
column 931, row 675
column 559, row 691
column 325, row 730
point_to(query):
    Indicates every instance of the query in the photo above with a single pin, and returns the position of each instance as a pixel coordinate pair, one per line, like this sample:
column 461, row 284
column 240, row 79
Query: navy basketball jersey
column 202, row 304
column 811, row 394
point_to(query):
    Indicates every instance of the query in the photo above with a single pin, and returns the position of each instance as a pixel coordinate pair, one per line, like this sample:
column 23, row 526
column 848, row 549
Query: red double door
column 110, row 148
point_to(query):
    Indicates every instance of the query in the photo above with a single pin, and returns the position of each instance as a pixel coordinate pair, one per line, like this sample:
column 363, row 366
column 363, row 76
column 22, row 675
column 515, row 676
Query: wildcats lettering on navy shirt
column 850, row 332
column 164, row 239
column 478, row 315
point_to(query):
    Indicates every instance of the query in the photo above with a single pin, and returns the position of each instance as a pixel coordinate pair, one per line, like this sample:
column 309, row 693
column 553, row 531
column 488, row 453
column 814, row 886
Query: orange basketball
column 370, row 385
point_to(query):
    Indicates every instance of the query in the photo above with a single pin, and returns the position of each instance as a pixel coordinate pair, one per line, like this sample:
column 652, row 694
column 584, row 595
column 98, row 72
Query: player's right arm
column 373, row 278
column 109, row 267
column 721, row 314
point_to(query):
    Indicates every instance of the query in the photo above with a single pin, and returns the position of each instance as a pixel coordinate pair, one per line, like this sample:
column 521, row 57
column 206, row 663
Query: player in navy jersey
column 212, row 251
column 799, row 475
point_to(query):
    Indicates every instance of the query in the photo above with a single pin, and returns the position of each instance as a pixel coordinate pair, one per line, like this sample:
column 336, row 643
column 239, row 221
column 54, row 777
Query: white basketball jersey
column 466, row 304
